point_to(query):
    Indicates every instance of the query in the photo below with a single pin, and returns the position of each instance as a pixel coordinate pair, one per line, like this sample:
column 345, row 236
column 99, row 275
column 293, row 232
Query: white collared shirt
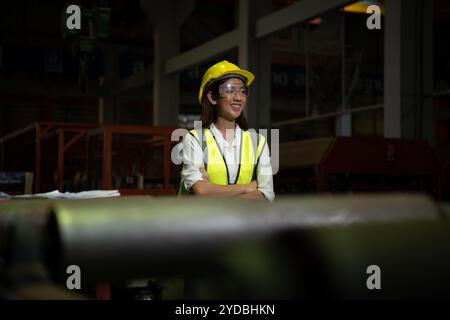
column 192, row 160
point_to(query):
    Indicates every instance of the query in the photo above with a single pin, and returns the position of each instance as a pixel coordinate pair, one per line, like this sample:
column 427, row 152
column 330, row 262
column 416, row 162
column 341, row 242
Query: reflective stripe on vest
column 215, row 162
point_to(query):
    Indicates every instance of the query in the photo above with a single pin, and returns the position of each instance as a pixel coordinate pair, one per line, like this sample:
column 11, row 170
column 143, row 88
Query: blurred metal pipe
column 315, row 246
column 141, row 235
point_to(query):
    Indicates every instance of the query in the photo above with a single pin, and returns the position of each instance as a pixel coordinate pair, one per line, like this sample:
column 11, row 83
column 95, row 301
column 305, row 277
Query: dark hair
column 209, row 113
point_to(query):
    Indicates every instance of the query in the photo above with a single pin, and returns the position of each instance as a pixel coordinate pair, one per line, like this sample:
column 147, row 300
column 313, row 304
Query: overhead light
column 361, row 6
column 315, row 21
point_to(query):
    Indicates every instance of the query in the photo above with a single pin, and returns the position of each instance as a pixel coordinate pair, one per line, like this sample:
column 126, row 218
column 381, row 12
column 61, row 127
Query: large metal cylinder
column 315, row 246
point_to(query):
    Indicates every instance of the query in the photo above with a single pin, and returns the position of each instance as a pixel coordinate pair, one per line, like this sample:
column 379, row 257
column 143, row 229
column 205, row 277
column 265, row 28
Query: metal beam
column 203, row 52
column 392, row 70
column 254, row 54
column 428, row 112
column 326, row 115
column 295, row 14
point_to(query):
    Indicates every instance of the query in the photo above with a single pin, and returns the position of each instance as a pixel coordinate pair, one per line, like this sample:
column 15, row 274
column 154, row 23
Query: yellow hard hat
column 219, row 70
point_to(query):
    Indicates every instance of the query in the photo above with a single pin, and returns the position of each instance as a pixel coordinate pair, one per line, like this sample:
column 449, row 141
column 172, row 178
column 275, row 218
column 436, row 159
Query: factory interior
column 353, row 106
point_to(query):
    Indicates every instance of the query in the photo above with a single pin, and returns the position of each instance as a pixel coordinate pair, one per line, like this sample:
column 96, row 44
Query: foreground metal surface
column 293, row 248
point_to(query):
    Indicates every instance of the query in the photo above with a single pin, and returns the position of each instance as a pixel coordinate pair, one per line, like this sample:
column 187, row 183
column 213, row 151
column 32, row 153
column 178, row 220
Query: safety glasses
column 228, row 91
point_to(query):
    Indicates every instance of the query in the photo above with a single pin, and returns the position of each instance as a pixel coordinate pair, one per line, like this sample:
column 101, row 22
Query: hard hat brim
column 244, row 73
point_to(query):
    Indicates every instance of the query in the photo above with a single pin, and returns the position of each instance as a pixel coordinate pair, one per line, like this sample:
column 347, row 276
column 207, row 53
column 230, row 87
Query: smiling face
column 232, row 99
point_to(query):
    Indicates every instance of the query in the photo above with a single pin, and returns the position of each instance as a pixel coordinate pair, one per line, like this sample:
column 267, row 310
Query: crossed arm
column 207, row 188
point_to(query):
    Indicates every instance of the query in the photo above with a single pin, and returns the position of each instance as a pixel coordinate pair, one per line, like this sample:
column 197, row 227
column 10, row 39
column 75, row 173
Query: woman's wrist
column 250, row 187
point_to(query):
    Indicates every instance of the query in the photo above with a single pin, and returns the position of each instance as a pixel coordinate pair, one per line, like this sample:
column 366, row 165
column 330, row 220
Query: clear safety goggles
column 229, row 90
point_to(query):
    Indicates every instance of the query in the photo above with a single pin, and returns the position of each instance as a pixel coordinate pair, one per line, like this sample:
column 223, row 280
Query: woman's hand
column 252, row 186
column 205, row 176
column 206, row 188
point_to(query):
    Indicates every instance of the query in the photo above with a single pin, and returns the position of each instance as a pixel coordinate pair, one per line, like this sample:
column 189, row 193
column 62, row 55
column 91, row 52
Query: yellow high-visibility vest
column 214, row 161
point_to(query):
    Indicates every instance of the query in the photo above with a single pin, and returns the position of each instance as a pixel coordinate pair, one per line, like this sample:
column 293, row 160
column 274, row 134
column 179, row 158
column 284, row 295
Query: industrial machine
column 358, row 164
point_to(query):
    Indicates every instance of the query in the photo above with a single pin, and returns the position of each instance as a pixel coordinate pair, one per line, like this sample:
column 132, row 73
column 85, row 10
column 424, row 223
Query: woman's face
column 232, row 99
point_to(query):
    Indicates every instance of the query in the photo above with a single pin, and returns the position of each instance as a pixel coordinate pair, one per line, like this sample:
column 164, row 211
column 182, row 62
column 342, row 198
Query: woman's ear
column 209, row 95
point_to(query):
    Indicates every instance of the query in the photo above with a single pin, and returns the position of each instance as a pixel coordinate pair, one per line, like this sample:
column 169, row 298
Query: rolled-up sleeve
column 192, row 161
column 264, row 175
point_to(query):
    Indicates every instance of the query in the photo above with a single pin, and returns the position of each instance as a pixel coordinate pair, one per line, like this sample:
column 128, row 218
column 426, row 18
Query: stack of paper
column 92, row 194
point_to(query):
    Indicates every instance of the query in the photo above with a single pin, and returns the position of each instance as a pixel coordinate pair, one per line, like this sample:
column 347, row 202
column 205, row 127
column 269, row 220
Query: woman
column 224, row 158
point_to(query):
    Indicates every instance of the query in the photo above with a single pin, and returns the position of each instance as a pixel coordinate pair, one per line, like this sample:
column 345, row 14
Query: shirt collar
column 237, row 135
